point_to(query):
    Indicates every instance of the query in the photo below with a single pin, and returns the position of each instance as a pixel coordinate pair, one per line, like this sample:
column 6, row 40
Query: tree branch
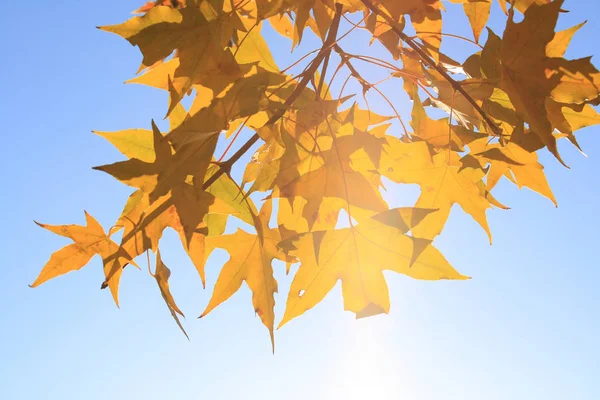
column 365, row 84
column 323, row 73
column 428, row 60
column 323, row 54
column 225, row 167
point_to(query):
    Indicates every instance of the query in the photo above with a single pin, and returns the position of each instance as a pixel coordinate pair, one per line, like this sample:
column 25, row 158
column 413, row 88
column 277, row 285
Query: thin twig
column 428, row 60
column 325, row 50
column 367, row 85
column 323, row 73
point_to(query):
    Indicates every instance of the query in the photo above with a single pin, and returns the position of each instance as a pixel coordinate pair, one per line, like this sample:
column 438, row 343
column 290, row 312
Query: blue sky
column 525, row 327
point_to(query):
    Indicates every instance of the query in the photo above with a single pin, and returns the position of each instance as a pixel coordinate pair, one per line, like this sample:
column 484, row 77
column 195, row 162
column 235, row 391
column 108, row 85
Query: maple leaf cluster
column 320, row 154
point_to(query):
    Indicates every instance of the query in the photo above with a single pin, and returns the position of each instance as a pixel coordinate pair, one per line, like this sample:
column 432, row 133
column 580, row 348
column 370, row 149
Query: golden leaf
column 529, row 76
column 89, row 241
column 444, row 181
column 516, row 164
column 358, row 256
column 250, row 260
column 162, row 275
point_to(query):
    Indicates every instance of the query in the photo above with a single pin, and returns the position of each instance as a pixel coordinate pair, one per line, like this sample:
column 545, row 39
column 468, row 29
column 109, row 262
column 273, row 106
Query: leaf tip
column 272, row 340
column 559, row 158
column 284, row 321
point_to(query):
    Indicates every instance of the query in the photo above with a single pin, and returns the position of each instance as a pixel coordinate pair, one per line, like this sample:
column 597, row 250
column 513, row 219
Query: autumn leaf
column 426, row 19
column 167, row 170
column 162, row 275
column 530, row 77
column 199, row 40
column 190, row 212
column 521, row 5
column 253, row 48
column 517, row 165
column 478, row 13
column 336, row 178
column 251, row 257
column 133, row 143
column 174, row 28
column 88, row 241
column 444, row 180
column 166, row 3
column 358, row 256
column 186, row 211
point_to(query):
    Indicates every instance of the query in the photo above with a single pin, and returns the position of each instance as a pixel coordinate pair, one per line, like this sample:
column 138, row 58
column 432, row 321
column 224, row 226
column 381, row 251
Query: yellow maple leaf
column 89, row 241
column 358, row 256
column 162, row 275
column 185, row 210
column 530, row 77
column 521, row 5
column 250, row 260
column 426, row 19
column 444, row 180
column 516, row 164
column 168, row 169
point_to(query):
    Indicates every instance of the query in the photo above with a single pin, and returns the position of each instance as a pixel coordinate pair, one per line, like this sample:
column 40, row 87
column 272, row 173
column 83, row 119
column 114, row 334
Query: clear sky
column 525, row 327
